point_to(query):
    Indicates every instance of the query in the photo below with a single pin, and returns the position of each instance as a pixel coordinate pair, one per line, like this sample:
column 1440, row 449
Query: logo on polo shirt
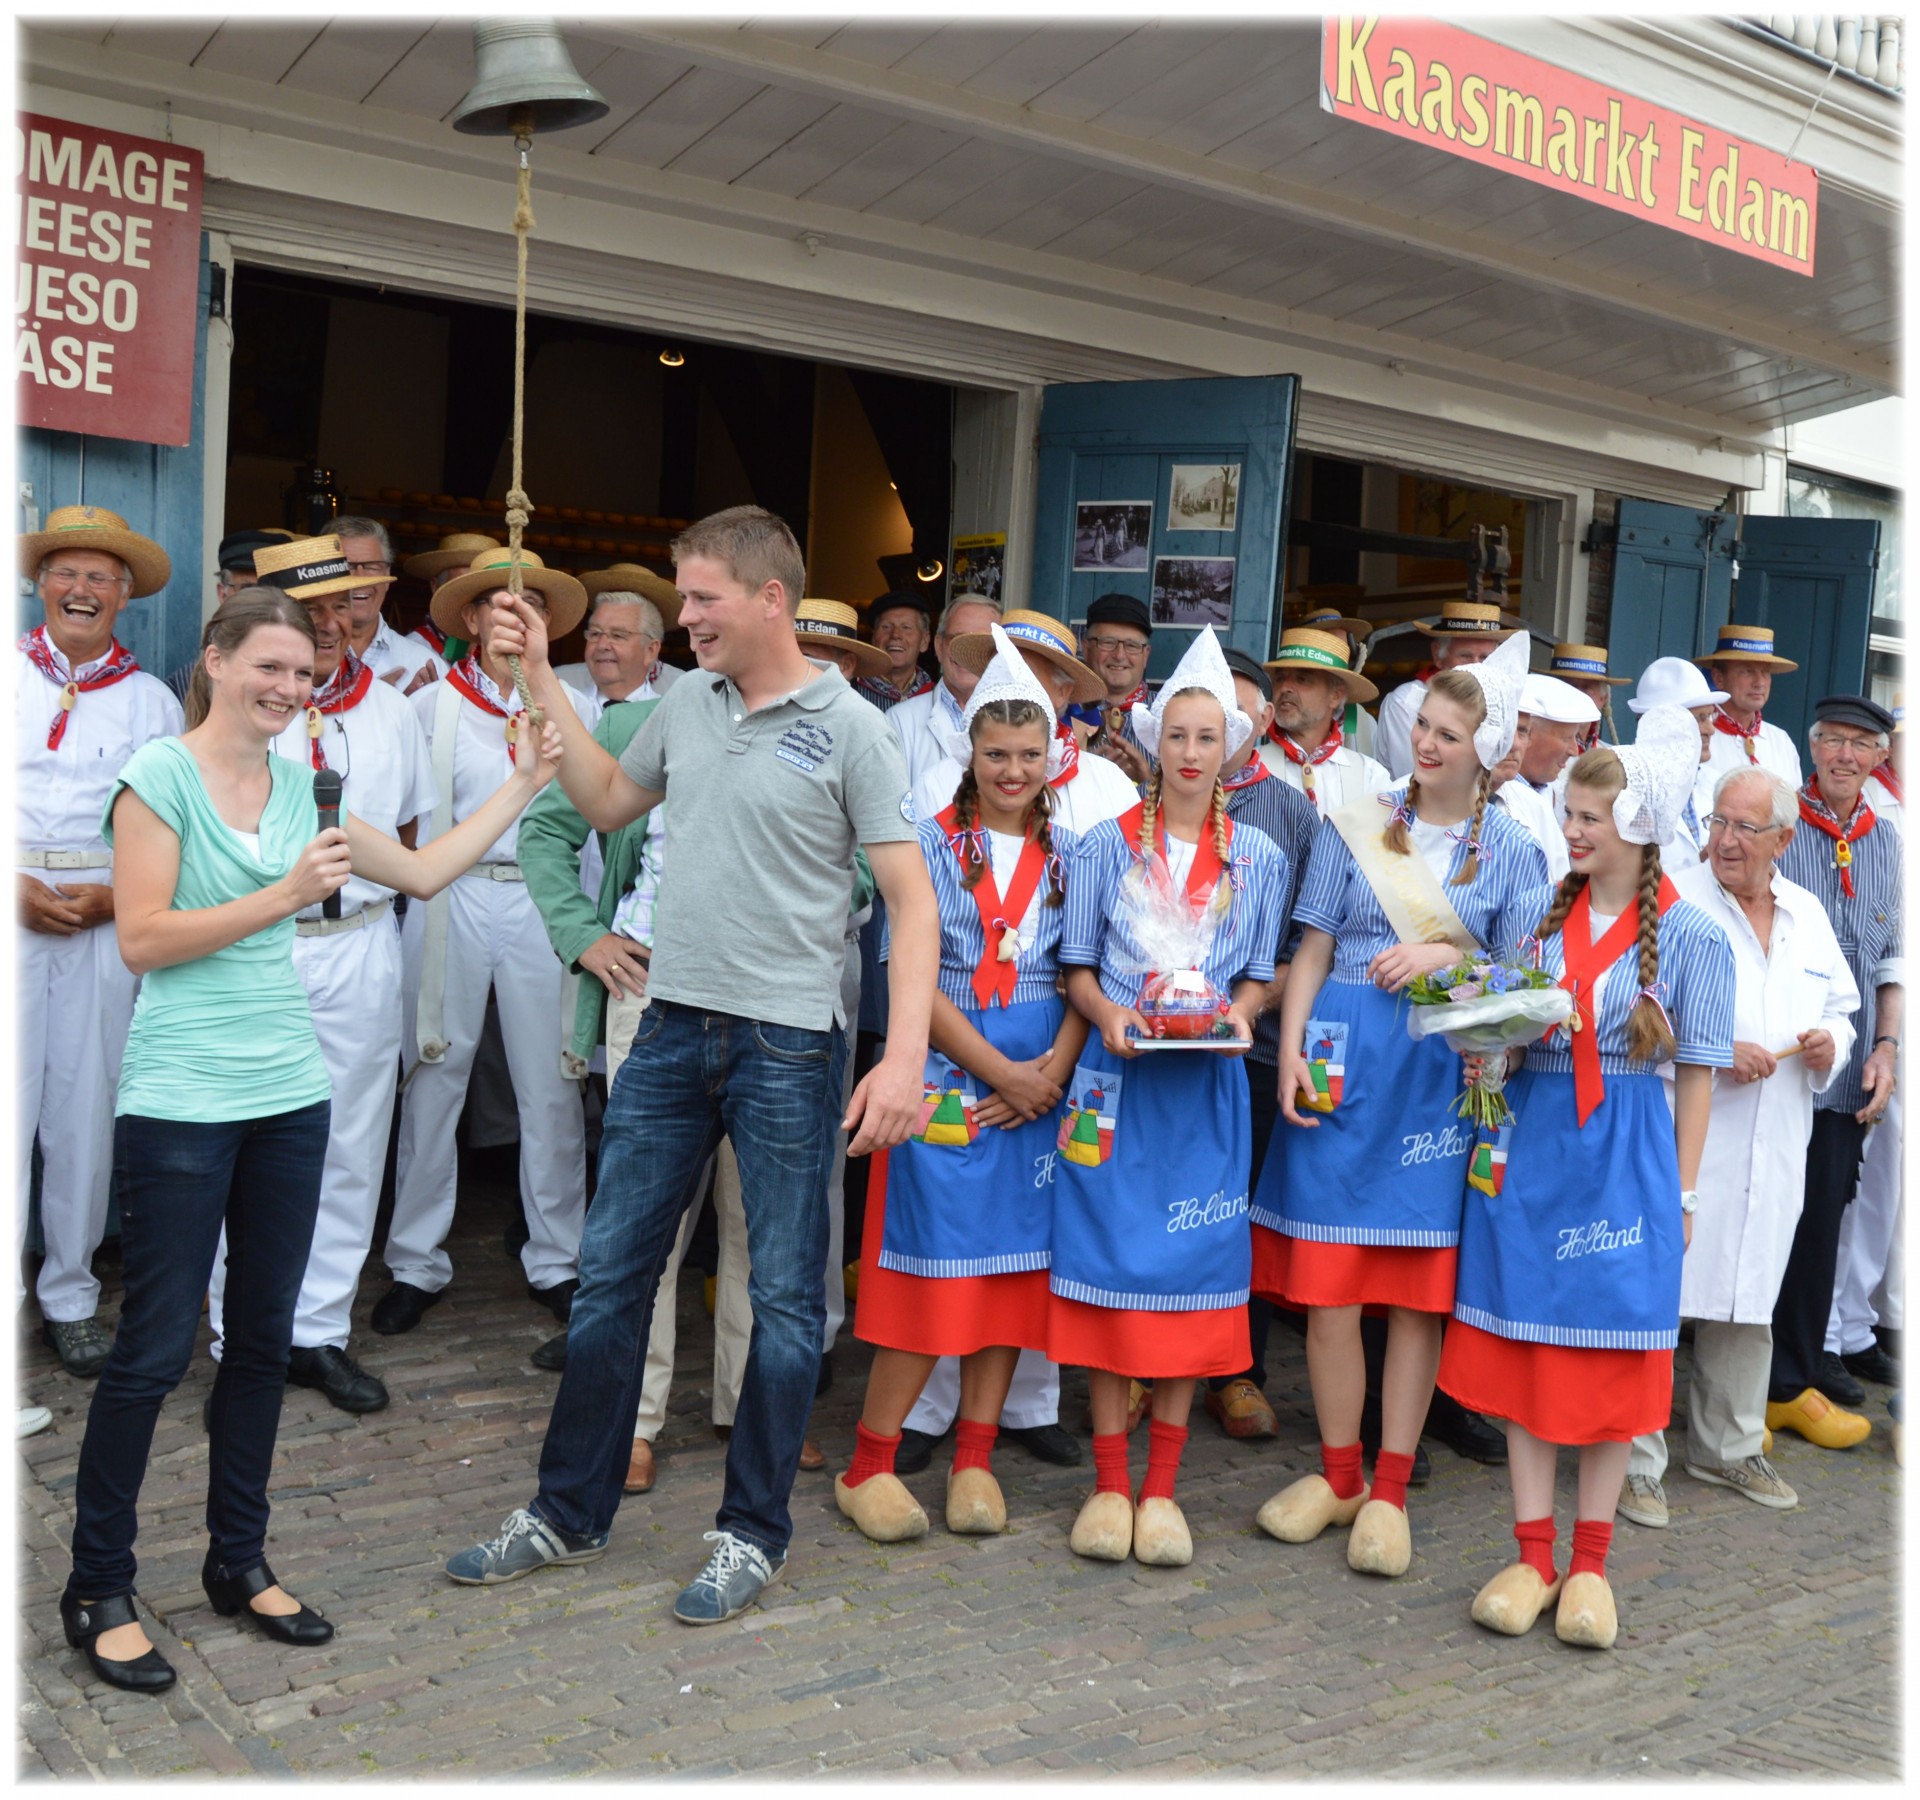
column 805, row 745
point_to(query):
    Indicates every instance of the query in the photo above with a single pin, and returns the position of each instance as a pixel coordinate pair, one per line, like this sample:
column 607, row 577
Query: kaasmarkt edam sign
column 1460, row 94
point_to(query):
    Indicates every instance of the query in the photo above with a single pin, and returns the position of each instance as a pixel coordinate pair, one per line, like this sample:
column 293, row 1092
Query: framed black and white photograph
column 1111, row 534
column 1192, row 591
column 1205, row 497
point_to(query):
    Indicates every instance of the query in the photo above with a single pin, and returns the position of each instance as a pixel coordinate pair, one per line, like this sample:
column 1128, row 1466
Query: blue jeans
column 178, row 1183
column 691, row 1077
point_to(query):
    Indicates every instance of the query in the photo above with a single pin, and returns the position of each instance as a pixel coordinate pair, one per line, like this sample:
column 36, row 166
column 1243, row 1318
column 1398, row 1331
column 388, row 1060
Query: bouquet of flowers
column 1174, row 934
column 1485, row 1008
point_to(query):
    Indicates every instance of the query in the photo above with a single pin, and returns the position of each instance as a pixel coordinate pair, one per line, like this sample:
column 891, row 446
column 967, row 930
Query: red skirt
column 942, row 1316
column 1168, row 1346
column 1302, row 1272
column 1559, row 1393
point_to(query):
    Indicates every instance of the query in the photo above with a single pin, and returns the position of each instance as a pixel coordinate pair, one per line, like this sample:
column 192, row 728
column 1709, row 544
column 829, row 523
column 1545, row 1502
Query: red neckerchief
column 466, row 675
column 880, row 686
column 996, row 978
column 1816, row 812
column 433, row 636
column 1890, row 781
column 342, row 691
column 1308, row 763
column 1249, row 772
column 1586, row 965
column 1589, row 738
column 1724, row 721
column 1069, row 755
column 1206, row 870
column 117, row 665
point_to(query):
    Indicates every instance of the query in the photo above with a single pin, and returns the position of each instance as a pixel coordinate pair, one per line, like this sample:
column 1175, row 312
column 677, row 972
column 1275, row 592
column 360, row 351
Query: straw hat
column 1044, row 636
column 1467, row 618
column 1583, row 662
column 1304, row 649
column 566, row 599
column 1746, row 644
column 631, row 578
column 1325, row 618
column 1202, row 669
column 306, row 568
column 835, row 625
column 457, row 551
column 94, row 528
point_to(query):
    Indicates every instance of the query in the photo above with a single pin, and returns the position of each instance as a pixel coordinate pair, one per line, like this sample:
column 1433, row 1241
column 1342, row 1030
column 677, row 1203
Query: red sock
column 872, row 1455
column 1342, row 1470
column 973, row 1445
column 1110, row 1464
column 1536, row 1545
column 1164, row 1444
column 1592, row 1538
column 1390, row 1472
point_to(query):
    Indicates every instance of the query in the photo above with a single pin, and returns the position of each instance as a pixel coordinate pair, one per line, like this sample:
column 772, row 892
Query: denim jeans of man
column 691, row 1077
column 178, row 1183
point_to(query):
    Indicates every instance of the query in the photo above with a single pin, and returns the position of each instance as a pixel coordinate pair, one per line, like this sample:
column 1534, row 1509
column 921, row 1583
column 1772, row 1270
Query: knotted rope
column 519, row 507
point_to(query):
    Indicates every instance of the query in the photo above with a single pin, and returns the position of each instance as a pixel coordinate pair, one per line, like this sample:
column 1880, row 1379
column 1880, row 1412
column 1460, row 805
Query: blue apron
column 1150, row 1188
column 1387, row 1163
column 1582, row 1243
column 965, row 1199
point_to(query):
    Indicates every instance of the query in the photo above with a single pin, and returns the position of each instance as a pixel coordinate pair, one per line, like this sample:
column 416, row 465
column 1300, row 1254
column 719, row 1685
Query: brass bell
column 524, row 82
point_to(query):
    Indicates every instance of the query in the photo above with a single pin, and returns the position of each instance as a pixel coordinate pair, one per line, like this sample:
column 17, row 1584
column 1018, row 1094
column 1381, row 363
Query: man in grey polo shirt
column 778, row 770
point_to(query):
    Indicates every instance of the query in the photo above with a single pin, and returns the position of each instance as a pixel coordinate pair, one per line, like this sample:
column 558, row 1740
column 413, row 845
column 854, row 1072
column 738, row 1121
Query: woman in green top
column 223, row 1104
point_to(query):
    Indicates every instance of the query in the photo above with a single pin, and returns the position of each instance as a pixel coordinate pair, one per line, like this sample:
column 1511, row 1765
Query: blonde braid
column 1219, row 810
column 966, row 812
column 1470, row 869
column 1041, row 825
column 1396, row 833
column 1649, row 1038
column 1150, row 815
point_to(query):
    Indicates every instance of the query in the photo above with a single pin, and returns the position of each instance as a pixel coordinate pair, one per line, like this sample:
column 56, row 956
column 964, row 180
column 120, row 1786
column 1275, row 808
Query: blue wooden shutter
column 1672, row 583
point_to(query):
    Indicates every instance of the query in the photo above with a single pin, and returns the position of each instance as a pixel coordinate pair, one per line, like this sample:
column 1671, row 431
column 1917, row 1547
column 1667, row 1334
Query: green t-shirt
column 227, row 1036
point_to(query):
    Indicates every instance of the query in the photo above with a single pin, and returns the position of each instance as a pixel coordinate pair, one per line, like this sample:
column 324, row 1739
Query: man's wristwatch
column 1883, row 1039
column 1689, row 1201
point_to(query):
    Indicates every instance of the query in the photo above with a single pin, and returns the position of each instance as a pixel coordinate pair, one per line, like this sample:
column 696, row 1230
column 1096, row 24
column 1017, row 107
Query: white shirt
column 1533, row 808
column 1753, row 1169
column 1884, row 805
column 1346, row 775
column 480, row 759
column 1773, row 750
column 578, row 677
column 924, row 724
column 61, row 794
column 380, row 751
column 1689, row 841
column 1393, row 731
column 633, row 917
column 389, row 651
column 1097, row 792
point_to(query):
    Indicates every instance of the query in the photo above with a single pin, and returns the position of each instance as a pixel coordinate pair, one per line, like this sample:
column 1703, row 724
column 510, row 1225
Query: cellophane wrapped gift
column 1174, row 933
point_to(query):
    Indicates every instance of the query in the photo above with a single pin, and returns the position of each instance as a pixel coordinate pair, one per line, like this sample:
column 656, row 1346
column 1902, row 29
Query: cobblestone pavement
column 1753, row 1643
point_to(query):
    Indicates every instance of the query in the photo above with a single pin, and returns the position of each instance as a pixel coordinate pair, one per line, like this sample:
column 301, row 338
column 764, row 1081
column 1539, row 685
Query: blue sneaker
column 526, row 1542
column 736, row 1574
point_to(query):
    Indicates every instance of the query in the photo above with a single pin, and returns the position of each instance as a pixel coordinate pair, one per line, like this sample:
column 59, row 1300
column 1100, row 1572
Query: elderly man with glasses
column 1794, row 1001
column 1117, row 642
column 404, row 661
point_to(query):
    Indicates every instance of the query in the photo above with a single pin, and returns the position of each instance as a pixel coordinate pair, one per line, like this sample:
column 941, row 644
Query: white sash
column 1409, row 892
column 429, row 1020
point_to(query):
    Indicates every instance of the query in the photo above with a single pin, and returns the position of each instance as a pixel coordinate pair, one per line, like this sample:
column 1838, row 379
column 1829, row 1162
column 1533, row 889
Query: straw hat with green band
column 833, row 624
column 631, row 578
column 1326, row 655
column 457, row 551
column 306, row 568
column 1583, row 662
column 1746, row 644
column 94, row 528
column 566, row 599
column 1046, row 637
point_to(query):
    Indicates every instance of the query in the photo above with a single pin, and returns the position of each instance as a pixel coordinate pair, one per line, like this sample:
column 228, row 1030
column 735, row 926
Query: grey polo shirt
column 768, row 809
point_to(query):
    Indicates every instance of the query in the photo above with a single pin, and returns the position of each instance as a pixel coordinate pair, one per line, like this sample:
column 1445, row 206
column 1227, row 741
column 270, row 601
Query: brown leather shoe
column 639, row 1469
column 1242, row 1410
column 811, row 1455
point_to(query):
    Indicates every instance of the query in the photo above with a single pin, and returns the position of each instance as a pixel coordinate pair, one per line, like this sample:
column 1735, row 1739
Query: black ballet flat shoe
column 85, row 1620
column 229, row 1594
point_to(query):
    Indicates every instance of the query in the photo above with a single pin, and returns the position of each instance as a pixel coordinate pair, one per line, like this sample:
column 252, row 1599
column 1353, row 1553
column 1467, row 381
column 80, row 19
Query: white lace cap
column 1007, row 677
column 1501, row 677
column 1203, row 669
column 1662, row 764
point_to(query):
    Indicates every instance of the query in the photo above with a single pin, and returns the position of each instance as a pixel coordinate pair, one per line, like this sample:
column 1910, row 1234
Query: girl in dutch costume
column 958, row 1234
column 1150, row 1250
column 1568, row 1302
column 1359, row 1205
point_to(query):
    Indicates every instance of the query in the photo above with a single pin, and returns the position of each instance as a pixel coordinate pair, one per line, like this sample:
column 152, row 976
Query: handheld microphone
column 327, row 789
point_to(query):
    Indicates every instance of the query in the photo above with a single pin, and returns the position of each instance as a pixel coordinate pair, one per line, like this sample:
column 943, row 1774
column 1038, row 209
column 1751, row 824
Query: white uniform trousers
column 73, row 1005
column 1868, row 1285
column 1033, row 1399
column 494, row 939
column 1727, row 1403
column 352, row 980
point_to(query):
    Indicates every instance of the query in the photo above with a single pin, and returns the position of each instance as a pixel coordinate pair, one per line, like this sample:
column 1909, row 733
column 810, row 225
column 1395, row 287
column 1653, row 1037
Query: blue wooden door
column 1812, row 581
column 157, row 489
column 1173, row 491
column 1672, row 583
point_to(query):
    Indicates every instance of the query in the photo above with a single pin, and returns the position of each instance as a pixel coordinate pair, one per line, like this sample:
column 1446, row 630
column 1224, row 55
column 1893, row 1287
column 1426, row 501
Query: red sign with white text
column 1459, row 93
column 107, row 229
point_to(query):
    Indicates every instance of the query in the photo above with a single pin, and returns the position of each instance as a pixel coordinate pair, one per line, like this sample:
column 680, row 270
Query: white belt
column 494, row 871
column 354, row 921
column 66, row 859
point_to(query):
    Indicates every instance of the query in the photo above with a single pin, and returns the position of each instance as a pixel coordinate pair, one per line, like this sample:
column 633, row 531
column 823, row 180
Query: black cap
column 1121, row 609
column 1854, row 709
column 920, row 600
column 1243, row 664
column 237, row 547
